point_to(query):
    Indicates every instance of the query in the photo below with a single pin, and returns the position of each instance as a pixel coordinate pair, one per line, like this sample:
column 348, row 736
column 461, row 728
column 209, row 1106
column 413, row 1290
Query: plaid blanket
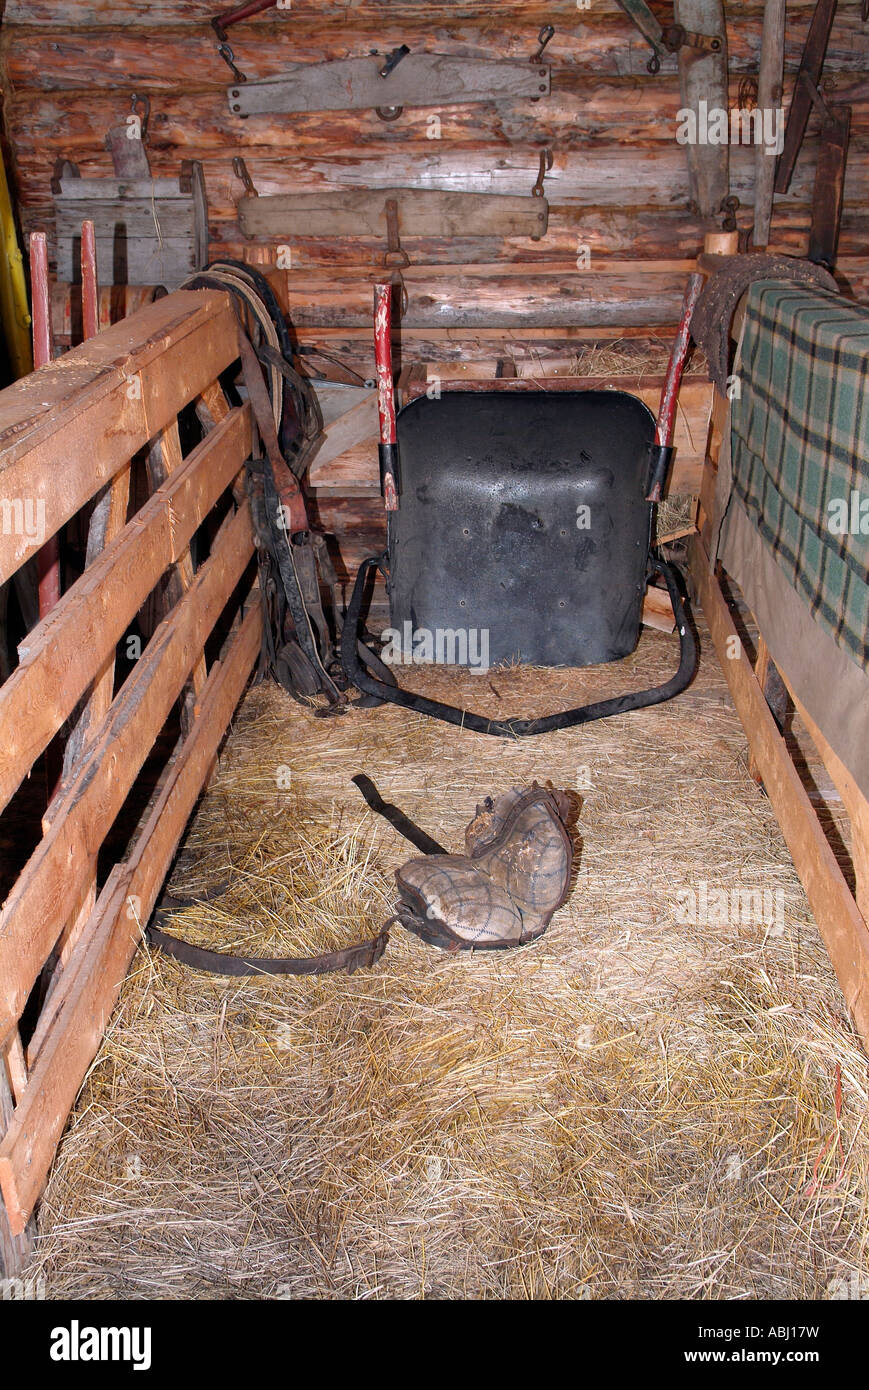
column 800, row 448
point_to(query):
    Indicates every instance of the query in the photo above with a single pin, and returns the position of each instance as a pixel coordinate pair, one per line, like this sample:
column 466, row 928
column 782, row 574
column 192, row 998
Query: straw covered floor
column 641, row 1104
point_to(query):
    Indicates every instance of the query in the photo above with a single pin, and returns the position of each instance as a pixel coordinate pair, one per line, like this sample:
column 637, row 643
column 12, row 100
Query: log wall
column 618, row 185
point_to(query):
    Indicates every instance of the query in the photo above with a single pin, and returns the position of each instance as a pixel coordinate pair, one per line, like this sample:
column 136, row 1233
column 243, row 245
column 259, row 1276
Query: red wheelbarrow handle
column 388, row 449
column 662, row 449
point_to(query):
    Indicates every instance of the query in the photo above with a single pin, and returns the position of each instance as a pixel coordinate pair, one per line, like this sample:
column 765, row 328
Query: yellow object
column 14, row 309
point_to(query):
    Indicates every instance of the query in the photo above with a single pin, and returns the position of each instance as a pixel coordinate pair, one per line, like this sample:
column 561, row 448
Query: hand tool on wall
column 388, row 447
column 827, row 196
column 801, row 104
column 14, row 308
column 698, row 37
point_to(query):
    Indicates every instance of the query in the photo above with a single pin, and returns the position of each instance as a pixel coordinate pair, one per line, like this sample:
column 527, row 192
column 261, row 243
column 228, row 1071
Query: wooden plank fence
column 66, row 432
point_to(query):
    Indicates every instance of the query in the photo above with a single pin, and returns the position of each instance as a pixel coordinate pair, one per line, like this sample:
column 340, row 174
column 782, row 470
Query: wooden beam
column 37, row 908
column 93, row 981
column 66, row 649
column 421, row 212
column 839, row 919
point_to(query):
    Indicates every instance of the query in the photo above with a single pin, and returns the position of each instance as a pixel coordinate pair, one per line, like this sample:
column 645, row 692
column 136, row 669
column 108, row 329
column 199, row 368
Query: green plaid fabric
column 800, row 448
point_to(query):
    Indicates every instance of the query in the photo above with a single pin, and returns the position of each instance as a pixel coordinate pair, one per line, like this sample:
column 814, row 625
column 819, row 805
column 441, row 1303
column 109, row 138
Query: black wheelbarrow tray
column 523, row 529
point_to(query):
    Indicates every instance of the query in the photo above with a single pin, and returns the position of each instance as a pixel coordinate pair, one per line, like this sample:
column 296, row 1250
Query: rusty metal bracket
column 676, row 36
column 669, row 39
column 393, row 59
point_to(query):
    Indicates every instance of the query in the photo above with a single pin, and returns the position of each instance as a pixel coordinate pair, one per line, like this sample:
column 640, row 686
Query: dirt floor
column 641, row 1104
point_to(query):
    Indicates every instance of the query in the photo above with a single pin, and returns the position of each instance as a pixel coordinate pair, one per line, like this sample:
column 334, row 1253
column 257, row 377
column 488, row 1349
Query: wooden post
column 48, row 560
column 769, row 99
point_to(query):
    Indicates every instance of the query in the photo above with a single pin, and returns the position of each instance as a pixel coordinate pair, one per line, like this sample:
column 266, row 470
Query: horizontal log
column 469, row 301
column 652, row 174
column 68, row 648
column 591, row 113
column 609, row 234
column 101, row 402
column 358, row 466
column 93, row 978
column 36, row 910
column 90, row 46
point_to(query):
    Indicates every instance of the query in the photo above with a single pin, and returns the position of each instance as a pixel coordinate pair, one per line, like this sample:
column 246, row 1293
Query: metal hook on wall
column 545, row 166
column 546, row 33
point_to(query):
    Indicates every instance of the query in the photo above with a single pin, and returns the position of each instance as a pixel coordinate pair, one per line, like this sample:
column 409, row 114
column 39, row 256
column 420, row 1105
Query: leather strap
column 288, row 490
column 361, row 955
column 396, row 817
column 358, row 957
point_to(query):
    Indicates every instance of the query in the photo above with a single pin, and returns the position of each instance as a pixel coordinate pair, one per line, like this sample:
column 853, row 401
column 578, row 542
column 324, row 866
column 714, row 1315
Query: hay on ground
column 633, row 1106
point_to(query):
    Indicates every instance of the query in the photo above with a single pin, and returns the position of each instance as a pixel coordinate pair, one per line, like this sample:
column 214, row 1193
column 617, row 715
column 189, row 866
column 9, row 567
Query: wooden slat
column 164, row 461
column 358, row 425
column 38, row 905
column 14, row 1250
column 93, row 981
column 853, row 800
column 99, row 404
column 64, row 652
column 840, row 922
column 658, row 610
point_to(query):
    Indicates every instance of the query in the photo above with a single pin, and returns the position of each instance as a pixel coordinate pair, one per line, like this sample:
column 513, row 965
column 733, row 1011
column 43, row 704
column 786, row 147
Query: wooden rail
column 66, row 432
